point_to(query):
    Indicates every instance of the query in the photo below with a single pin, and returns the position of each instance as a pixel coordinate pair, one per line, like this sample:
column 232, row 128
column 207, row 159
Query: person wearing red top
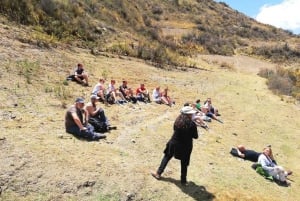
column 142, row 94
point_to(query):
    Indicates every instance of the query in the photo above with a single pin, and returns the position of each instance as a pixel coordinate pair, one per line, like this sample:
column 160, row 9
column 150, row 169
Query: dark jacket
column 181, row 144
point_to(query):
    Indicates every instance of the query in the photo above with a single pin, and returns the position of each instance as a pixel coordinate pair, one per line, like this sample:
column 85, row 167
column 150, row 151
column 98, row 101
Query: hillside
column 163, row 32
column 39, row 161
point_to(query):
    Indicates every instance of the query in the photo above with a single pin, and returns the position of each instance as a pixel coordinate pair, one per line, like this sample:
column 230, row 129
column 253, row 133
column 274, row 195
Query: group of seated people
column 264, row 160
column 124, row 94
column 205, row 113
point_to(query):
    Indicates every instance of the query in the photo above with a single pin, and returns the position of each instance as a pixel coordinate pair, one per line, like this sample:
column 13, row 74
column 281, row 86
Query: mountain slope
column 39, row 161
column 161, row 31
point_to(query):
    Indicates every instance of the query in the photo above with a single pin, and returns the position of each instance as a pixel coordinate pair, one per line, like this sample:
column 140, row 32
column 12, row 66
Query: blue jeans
column 88, row 133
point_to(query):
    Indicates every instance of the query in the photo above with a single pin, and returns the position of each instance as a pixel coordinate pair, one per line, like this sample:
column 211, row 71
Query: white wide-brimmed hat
column 188, row 110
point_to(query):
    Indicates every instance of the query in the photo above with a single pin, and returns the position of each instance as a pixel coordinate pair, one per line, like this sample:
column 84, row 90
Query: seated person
column 112, row 93
column 166, row 98
column 97, row 116
column 142, row 94
column 211, row 115
column 210, row 107
column 127, row 92
column 199, row 117
column 74, row 122
column 80, row 75
column 198, row 104
column 266, row 162
column 156, row 95
column 99, row 90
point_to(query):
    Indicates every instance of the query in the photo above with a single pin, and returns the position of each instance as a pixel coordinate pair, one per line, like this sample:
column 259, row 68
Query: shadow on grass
column 195, row 191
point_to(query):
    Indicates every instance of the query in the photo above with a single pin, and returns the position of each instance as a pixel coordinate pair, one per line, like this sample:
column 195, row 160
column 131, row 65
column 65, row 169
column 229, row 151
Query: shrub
column 282, row 85
column 283, row 81
column 266, row 73
column 28, row 69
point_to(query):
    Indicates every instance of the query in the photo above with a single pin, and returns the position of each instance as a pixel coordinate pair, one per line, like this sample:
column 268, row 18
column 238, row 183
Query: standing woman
column 181, row 144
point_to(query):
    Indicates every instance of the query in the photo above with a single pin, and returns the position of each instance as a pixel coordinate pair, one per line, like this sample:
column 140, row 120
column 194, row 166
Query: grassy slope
column 39, row 161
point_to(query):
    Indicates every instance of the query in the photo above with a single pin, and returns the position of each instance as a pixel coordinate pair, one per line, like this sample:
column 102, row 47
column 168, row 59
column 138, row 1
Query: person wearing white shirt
column 276, row 171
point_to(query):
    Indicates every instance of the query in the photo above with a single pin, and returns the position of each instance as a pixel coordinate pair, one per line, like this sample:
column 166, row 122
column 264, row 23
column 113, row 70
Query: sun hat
column 187, row 110
column 79, row 100
column 93, row 96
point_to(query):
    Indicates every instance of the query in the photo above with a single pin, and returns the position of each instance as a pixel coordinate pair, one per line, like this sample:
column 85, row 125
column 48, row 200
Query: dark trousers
column 101, row 115
column 164, row 163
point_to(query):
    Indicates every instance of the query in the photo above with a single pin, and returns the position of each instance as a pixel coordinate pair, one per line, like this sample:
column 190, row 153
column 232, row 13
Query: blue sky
column 279, row 13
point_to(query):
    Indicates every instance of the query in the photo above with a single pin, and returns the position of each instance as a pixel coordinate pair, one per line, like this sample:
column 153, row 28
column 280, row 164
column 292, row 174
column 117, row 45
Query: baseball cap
column 79, row 100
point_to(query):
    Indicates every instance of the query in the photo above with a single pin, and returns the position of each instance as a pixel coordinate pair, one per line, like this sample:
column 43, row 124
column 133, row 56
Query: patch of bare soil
column 39, row 161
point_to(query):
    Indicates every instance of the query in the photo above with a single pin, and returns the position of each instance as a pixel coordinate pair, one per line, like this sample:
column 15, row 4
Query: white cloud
column 285, row 15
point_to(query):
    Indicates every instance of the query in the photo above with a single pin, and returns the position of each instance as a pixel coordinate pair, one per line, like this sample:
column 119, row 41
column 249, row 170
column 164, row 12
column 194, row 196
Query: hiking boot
column 155, row 175
column 98, row 136
column 184, row 182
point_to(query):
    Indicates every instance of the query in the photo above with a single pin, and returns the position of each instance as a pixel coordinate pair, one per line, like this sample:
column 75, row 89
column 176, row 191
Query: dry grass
column 39, row 161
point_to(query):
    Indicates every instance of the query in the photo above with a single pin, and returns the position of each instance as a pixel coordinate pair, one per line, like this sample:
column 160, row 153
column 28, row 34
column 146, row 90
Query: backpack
column 71, row 78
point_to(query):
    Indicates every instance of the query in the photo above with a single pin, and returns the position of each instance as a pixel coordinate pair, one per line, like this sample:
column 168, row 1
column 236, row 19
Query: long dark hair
column 183, row 121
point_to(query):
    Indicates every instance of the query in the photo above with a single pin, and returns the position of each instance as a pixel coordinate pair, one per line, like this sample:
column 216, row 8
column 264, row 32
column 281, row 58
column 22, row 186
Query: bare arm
column 91, row 112
column 77, row 121
column 240, row 153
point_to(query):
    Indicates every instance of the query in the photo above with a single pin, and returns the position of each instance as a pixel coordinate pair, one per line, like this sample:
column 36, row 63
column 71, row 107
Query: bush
column 282, row 85
column 277, row 53
column 283, row 81
column 266, row 73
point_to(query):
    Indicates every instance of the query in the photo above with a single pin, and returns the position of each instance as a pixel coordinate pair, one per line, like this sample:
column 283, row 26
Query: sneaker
column 98, row 136
column 289, row 172
column 155, row 175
